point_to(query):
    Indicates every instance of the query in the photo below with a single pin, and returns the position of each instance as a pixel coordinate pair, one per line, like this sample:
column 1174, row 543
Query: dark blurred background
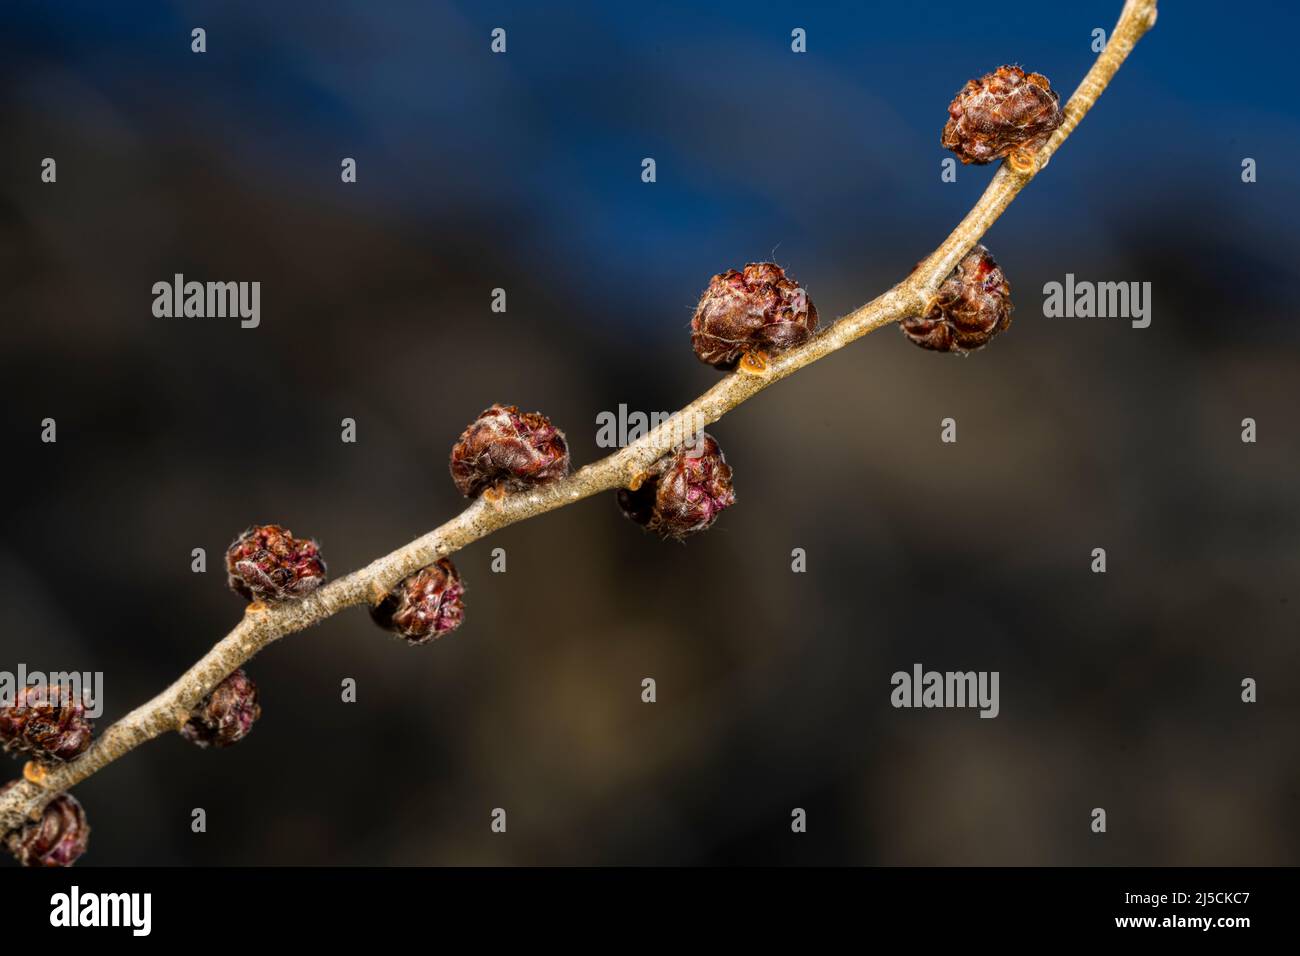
column 523, row 171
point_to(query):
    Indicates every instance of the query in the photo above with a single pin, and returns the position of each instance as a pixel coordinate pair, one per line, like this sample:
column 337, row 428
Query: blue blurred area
column 757, row 149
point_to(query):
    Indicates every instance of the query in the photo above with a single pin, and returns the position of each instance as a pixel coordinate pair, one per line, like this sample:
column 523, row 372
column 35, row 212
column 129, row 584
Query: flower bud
column 973, row 305
column 683, row 492
column 1004, row 112
column 757, row 310
column 58, row 838
column 267, row 563
column 425, row 605
column 226, row 715
column 48, row 723
column 506, row 447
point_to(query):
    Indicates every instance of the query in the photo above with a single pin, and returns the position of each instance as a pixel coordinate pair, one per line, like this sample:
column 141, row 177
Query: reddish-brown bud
column 759, row 309
column 425, row 605
column 268, row 563
column 683, row 492
column 226, row 715
column 58, row 838
column 510, row 448
column 1002, row 112
column 973, row 305
column 47, row 723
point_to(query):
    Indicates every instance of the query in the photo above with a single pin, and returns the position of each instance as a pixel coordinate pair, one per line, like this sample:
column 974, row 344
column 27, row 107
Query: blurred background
column 522, row 171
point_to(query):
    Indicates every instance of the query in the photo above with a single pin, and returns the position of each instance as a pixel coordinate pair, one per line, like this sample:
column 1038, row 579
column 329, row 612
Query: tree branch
column 263, row 626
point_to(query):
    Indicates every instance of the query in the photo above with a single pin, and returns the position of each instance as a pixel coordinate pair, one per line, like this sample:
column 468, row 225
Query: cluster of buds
column 226, row 715
column 749, row 315
column 683, row 492
column 58, row 838
column 267, row 563
column 424, row 606
column 264, row 564
column 506, row 450
column 1007, row 113
column 973, row 305
column 742, row 318
column 47, row 723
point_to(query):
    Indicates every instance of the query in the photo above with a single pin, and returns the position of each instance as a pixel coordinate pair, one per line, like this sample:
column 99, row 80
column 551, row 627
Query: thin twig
column 261, row 627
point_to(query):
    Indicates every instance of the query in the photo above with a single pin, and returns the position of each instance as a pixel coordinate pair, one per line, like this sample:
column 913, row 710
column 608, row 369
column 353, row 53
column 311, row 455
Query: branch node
column 1024, row 162
column 753, row 363
column 495, row 496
